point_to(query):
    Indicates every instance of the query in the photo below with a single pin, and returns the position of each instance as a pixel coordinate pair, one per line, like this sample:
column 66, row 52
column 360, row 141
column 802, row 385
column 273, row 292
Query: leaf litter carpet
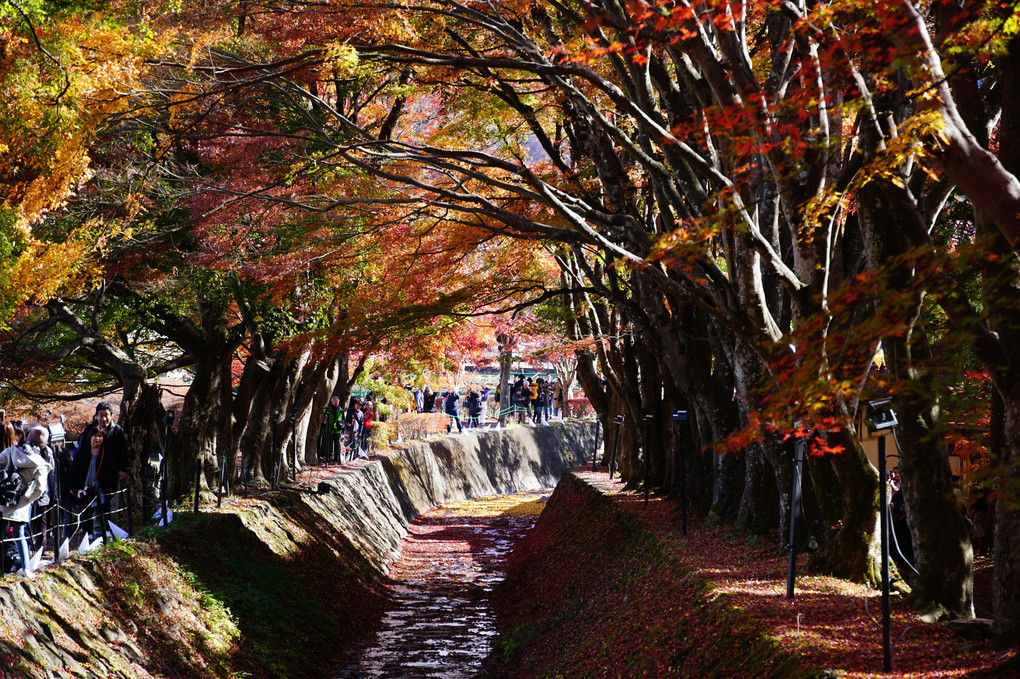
column 831, row 623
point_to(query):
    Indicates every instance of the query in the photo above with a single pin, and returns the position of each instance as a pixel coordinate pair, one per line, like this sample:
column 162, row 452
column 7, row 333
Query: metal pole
column 680, row 416
column 198, row 481
column 648, row 452
column 616, row 444
column 127, row 504
column 795, row 499
column 101, row 506
column 219, row 483
column 595, row 450
column 59, row 536
column 883, row 501
column 279, row 471
column 164, row 466
column 162, row 487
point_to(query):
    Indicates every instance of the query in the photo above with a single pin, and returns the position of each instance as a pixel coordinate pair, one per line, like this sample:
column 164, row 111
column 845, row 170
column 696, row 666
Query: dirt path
column 440, row 625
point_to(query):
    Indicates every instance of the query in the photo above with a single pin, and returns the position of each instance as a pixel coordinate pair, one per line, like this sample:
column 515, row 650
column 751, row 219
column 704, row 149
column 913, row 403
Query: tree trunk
column 287, row 402
column 940, row 536
column 827, row 492
column 226, row 442
column 257, row 442
column 854, row 553
column 196, row 432
column 1006, row 591
column 141, row 410
column 762, row 503
column 941, row 539
column 566, row 370
column 505, row 360
column 1001, row 289
column 324, row 391
column 202, row 412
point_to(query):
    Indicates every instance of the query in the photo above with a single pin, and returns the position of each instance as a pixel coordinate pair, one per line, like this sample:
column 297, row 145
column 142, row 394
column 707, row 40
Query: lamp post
column 882, row 419
column 168, row 423
column 799, row 444
column 679, row 417
column 616, row 443
column 649, row 418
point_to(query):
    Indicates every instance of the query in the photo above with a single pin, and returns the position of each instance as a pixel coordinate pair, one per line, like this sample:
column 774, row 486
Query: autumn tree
column 698, row 164
column 736, row 195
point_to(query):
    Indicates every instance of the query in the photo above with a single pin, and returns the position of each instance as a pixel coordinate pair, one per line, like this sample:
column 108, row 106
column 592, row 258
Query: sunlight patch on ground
column 524, row 503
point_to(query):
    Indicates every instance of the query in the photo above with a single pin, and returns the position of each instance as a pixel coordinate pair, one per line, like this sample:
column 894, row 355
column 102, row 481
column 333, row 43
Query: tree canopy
column 757, row 212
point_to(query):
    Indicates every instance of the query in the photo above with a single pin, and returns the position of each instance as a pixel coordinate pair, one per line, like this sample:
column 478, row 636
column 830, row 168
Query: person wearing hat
column 335, row 430
column 30, row 462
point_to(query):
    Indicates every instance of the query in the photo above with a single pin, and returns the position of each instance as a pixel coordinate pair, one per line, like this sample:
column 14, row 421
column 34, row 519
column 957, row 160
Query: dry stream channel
column 440, row 625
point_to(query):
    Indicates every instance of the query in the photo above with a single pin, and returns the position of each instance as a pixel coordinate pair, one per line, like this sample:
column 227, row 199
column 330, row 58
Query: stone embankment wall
column 274, row 586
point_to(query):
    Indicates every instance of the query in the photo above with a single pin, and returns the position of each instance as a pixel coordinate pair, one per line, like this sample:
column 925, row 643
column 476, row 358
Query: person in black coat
column 452, row 405
column 115, row 442
column 335, row 430
column 474, row 404
column 63, row 468
column 94, row 477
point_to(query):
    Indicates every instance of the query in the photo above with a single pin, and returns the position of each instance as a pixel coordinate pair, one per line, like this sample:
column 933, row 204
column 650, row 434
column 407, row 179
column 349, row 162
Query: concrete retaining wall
column 221, row 594
column 378, row 500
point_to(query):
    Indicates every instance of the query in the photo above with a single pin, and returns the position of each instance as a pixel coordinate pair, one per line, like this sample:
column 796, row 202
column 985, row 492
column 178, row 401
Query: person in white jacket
column 30, row 461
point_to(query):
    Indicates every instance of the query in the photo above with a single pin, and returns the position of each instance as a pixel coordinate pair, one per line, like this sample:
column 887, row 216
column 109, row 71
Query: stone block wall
column 264, row 588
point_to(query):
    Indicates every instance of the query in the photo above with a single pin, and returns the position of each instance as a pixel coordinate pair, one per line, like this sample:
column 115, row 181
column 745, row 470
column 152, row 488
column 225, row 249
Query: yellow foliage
column 44, row 270
column 67, row 169
column 906, row 146
column 49, row 115
column 341, row 59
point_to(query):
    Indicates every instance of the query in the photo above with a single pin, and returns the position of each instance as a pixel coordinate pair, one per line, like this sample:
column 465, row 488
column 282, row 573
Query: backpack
column 12, row 486
column 12, row 560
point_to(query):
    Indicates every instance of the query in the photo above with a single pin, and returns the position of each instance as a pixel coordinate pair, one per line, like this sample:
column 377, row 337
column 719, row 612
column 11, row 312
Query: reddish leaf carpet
column 830, row 623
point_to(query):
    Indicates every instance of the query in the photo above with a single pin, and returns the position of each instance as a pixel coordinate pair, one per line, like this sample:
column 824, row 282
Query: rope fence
column 61, row 527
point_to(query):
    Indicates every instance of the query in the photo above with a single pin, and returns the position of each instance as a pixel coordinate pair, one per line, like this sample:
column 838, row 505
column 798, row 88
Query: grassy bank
column 267, row 588
column 297, row 590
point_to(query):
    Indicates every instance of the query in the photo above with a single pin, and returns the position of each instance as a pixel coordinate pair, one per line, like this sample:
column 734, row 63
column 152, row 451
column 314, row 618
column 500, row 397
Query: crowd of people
column 72, row 484
column 348, row 433
column 532, row 401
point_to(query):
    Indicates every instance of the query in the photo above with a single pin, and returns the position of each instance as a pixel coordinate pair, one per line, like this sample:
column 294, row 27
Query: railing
column 64, row 526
